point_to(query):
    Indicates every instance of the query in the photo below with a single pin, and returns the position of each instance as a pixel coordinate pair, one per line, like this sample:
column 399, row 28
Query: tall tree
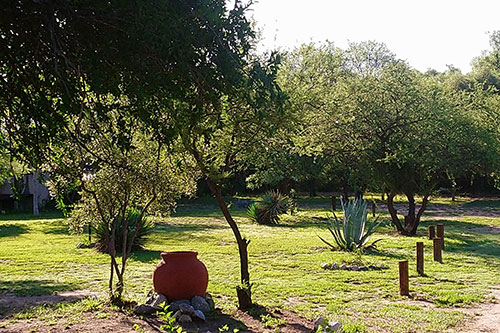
column 184, row 67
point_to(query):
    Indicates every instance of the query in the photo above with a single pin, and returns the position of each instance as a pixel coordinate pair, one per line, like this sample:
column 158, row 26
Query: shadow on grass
column 483, row 204
column 13, row 304
column 146, row 256
column 34, row 287
column 180, row 228
column 23, row 216
column 56, row 229
column 470, row 242
column 10, row 230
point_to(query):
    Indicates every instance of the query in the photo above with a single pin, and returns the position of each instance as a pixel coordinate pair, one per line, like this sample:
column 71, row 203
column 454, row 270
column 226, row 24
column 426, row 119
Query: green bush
column 267, row 211
column 132, row 216
column 354, row 231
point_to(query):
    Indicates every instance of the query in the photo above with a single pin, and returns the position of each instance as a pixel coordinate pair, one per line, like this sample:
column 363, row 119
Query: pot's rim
column 178, row 254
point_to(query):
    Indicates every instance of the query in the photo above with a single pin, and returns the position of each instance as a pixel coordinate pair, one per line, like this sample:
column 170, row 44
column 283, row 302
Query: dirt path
column 487, row 316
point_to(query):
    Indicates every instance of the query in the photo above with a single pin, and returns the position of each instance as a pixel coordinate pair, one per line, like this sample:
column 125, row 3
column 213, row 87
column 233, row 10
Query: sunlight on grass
column 38, row 256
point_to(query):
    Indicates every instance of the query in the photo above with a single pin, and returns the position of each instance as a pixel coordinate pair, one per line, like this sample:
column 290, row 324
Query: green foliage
column 354, row 231
column 133, row 217
column 167, row 317
column 267, row 211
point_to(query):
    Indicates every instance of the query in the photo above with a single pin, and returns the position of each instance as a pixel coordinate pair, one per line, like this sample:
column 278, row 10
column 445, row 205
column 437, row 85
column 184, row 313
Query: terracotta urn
column 180, row 275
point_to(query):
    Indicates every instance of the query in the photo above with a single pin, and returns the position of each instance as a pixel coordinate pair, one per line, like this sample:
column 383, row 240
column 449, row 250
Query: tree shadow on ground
column 10, row 230
column 18, row 296
column 34, row 287
column 23, row 216
column 146, row 255
column 467, row 240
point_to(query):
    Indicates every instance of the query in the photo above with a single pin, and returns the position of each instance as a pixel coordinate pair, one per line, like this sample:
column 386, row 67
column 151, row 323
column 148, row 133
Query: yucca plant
column 354, row 231
column 133, row 220
column 267, row 211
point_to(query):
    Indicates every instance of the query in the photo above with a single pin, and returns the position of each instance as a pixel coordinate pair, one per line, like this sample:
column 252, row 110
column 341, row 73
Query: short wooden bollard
column 432, row 232
column 440, row 234
column 373, row 208
column 404, row 289
column 437, row 243
column 420, row 258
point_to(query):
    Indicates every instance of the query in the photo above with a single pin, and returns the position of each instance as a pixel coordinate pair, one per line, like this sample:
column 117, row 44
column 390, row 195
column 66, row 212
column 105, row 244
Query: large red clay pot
column 180, row 275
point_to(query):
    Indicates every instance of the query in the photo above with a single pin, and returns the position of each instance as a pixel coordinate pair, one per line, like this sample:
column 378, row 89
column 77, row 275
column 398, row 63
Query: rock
column 185, row 319
column 210, row 301
column 144, row 309
column 186, row 308
column 320, row 321
column 335, row 266
column 199, row 303
column 80, row 245
column 364, row 268
column 175, row 305
column 199, row 314
column 334, row 326
column 354, row 268
column 178, row 314
column 91, row 245
column 159, row 299
column 372, row 267
column 325, row 265
column 343, row 266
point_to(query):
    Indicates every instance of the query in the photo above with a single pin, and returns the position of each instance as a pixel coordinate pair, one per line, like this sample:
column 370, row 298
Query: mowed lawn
column 39, row 256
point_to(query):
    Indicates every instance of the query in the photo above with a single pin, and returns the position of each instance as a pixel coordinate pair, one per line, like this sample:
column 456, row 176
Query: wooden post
column 432, row 232
column 437, row 243
column 373, row 207
column 403, row 278
column 440, row 234
column 420, row 258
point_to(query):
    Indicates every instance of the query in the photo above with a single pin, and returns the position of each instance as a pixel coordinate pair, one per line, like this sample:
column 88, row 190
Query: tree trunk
column 285, row 186
column 243, row 291
column 34, row 191
column 393, row 212
column 312, row 188
column 412, row 220
column 334, row 202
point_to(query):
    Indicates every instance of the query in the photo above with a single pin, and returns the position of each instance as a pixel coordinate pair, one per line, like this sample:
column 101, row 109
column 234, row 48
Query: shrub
column 267, row 211
column 354, row 231
column 133, row 216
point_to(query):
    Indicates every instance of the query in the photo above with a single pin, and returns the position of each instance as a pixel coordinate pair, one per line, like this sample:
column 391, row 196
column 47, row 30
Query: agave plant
column 354, row 231
column 267, row 211
column 133, row 221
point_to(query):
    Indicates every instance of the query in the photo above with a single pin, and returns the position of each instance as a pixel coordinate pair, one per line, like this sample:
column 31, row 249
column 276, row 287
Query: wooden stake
column 373, row 208
column 440, row 234
column 403, row 278
column 420, row 258
column 432, row 232
column 437, row 243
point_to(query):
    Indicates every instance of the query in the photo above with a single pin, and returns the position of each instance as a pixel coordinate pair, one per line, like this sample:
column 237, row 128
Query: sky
column 426, row 33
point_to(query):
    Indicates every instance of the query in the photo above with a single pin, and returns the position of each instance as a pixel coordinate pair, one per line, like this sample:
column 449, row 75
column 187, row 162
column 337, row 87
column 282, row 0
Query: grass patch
column 38, row 256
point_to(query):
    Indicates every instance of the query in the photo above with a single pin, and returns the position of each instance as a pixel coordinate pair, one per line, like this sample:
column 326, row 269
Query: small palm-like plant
column 267, row 211
column 354, row 231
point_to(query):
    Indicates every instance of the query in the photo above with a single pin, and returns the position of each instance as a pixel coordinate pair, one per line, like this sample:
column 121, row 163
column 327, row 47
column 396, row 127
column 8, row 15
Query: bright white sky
column 426, row 33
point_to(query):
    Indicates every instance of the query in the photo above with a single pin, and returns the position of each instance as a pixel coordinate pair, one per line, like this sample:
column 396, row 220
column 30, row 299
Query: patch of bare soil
column 487, row 317
column 10, row 304
column 114, row 321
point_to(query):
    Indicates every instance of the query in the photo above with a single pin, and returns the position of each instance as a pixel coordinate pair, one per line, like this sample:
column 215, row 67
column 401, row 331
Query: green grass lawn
column 38, row 256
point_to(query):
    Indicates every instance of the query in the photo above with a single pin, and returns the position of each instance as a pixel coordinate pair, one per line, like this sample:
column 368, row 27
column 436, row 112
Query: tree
column 184, row 67
column 383, row 125
column 146, row 178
